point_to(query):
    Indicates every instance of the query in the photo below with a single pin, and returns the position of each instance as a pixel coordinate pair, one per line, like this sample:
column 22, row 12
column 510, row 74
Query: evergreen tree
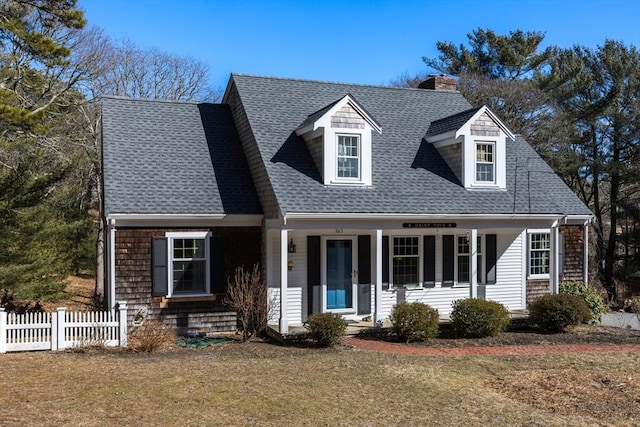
column 36, row 84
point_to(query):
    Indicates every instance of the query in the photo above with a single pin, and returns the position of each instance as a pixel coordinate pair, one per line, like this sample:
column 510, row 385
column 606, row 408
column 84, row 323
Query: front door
column 339, row 274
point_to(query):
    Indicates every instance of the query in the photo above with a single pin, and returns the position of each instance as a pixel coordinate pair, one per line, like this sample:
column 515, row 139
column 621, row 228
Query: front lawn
column 264, row 384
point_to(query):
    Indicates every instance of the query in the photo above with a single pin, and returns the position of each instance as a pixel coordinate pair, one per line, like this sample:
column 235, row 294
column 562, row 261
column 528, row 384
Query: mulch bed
column 584, row 334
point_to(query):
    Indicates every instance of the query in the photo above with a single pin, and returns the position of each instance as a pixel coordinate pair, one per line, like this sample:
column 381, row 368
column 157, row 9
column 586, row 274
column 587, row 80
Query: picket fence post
column 3, row 330
column 54, row 331
column 122, row 319
column 62, row 343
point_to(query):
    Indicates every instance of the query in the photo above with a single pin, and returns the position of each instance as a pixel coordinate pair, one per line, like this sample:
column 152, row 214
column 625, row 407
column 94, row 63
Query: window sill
column 406, row 288
column 539, row 277
column 353, row 183
column 166, row 300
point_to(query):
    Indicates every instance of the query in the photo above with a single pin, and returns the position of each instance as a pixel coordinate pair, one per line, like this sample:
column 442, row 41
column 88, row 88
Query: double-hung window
column 464, row 260
column 188, row 263
column 485, row 162
column 348, row 157
column 406, row 261
column 539, row 254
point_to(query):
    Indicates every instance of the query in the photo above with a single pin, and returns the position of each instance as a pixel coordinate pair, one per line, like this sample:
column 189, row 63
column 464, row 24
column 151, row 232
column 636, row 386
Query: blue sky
column 367, row 42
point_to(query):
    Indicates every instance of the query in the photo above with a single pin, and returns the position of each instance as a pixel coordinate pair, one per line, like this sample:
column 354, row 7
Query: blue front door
column 339, row 270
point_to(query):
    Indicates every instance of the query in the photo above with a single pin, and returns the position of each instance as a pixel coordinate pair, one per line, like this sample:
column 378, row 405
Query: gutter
column 336, row 215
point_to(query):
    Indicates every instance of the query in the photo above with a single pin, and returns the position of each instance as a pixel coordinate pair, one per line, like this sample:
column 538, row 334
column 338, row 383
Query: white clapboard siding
column 438, row 297
column 508, row 287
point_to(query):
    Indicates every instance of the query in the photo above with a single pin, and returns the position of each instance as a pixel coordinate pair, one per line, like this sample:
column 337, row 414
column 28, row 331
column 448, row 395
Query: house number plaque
column 429, row 225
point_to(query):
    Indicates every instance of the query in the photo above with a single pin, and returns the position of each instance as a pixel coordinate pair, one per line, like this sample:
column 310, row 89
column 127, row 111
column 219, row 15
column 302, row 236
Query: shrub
column 632, row 305
column 590, row 295
column 247, row 296
column 554, row 312
column 414, row 321
column 150, row 336
column 327, row 329
column 478, row 318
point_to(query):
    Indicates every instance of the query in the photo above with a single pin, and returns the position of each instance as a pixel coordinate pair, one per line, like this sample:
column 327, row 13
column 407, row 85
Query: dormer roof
column 310, row 123
column 457, row 124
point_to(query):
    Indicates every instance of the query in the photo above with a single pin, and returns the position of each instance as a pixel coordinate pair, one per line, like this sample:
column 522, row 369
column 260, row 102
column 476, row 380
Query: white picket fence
column 62, row 329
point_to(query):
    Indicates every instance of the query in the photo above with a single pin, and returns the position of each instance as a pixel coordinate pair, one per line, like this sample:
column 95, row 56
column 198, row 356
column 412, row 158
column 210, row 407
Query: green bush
column 554, row 312
column 590, row 295
column 479, row 318
column 414, row 321
column 327, row 329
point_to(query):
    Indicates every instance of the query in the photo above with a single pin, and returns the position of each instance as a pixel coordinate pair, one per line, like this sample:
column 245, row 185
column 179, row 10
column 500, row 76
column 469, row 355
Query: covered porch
column 361, row 267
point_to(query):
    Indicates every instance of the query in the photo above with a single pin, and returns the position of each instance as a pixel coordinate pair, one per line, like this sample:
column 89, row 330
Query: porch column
column 378, row 301
column 284, row 272
column 554, row 261
column 111, row 297
column 585, row 252
column 473, row 242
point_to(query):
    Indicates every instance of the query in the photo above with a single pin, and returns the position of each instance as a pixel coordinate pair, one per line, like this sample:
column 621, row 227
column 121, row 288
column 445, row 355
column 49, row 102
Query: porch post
column 284, row 272
column 554, row 261
column 473, row 242
column 111, row 298
column 585, row 252
column 378, row 301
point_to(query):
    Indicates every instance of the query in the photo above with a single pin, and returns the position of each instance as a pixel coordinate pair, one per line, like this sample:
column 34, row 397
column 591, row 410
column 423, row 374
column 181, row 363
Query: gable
column 347, row 118
column 484, row 126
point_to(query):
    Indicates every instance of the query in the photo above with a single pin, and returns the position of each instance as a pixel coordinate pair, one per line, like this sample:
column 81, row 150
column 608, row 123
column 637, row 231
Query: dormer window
column 340, row 141
column 473, row 143
column 485, row 163
column 348, row 157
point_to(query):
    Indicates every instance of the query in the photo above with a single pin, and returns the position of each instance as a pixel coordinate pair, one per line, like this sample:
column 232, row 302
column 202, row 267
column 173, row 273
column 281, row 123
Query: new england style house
column 351, row 198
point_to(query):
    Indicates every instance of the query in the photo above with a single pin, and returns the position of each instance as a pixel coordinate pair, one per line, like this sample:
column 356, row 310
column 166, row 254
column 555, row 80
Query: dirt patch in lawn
column 600, row 394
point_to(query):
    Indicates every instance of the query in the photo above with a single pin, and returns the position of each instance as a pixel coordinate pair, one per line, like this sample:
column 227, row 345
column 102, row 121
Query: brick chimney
column 438, row 82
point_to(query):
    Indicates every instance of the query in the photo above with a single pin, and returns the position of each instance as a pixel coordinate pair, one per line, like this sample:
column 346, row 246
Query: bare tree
column 123, row 69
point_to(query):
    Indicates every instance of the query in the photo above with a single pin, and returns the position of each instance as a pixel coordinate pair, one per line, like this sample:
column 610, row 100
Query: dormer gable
column 338, row 137
column 473, row 143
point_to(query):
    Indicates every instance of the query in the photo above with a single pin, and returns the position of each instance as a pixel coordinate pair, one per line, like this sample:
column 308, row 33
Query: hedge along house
column 368, row 196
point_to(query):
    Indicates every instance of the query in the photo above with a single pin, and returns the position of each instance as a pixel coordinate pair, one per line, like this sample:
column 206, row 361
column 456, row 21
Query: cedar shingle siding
column 573, row 252
column 242, row 246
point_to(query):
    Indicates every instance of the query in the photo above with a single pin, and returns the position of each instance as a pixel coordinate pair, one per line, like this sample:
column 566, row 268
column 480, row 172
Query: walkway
column 505, row 350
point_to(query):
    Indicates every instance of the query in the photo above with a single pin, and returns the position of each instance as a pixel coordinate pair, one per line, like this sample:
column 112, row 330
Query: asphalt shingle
column 409, row 175
column 165, row 157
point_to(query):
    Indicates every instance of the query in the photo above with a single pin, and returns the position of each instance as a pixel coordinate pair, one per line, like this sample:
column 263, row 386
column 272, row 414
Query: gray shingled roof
column 409, row 176
column 450, row 123
column 173, row 158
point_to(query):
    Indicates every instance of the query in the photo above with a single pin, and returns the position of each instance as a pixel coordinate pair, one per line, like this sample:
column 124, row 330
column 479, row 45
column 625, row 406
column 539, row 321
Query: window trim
column 457, row 254
column 491, row 144
column 341, row 179
column 420, row 256
column 173, row 235
column 530, row 233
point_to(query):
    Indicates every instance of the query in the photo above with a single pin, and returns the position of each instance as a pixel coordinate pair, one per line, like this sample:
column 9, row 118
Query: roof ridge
column 342, row 83
column 165, row 101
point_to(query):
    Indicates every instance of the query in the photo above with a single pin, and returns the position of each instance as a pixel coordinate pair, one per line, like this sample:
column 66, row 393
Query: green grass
column 263, row 384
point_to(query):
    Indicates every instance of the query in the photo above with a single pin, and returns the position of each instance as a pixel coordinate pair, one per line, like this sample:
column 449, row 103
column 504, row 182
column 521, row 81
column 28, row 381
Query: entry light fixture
column 291, row 247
